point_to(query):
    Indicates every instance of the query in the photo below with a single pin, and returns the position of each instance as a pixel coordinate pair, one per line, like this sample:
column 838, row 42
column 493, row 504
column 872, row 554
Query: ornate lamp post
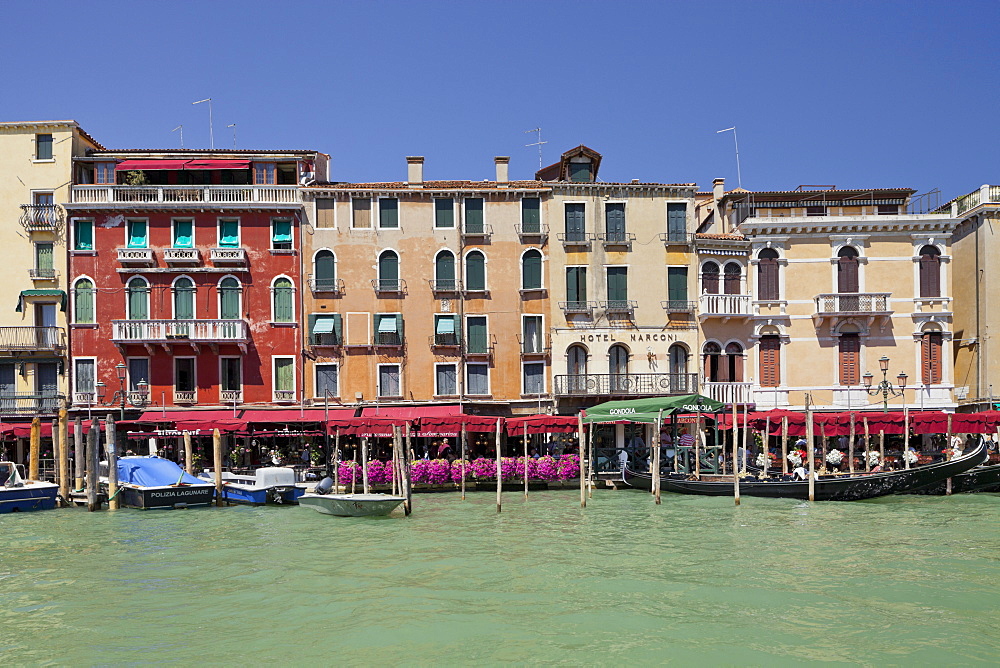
column 137, row 399
column 885, row 388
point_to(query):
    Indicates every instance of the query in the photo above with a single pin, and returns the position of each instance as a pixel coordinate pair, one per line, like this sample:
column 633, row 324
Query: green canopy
column 647, row 409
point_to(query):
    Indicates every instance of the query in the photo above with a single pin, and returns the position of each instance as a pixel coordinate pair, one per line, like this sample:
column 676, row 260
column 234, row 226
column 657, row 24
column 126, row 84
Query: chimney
column 415, row 170
column 502, row 163
column 718, row 188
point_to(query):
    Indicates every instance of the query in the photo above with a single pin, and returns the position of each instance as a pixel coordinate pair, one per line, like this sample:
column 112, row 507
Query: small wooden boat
column 20, row 496
column 271, row 484
column 831, row 488
column 979, row 479
column 348, row 505
column 152, row 482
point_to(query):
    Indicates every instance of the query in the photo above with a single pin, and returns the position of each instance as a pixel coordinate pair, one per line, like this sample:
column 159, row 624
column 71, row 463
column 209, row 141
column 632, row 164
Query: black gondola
column 838, row 488
column 979, row 479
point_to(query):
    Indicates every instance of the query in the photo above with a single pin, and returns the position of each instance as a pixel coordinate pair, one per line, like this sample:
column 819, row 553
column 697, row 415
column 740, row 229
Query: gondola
column 979, row 479
column 833, row 488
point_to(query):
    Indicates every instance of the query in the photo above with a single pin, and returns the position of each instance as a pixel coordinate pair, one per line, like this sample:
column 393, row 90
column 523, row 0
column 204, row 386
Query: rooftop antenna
column 211, row 130
column 233, row 126
column 537, row 143
column 739, row 176
column 181, row 128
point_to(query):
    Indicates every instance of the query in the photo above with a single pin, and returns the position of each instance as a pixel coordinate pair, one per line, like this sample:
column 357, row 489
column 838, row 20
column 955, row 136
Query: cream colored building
column 36, row 162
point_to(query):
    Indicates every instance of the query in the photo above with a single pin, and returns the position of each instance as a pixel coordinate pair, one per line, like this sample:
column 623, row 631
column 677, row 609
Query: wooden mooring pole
column 462, row 464
column 811, row 452
column 217, row 465
column 188, row 454
column 111, row 446
column 868, row 447
column 784, row 445
column 93, row 461
column 850, row 448
column 79, row 455
column 34, row 448
column 407, row 479
column 947, row 483
column 656, row 456
column 499, row 471
column 63, row 455
column 736, row 473
column 579, row 440
column 524, row 438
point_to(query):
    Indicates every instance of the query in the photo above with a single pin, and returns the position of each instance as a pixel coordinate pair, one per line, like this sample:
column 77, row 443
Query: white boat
column 18, row 495
column 272, row 484
column 351, row 505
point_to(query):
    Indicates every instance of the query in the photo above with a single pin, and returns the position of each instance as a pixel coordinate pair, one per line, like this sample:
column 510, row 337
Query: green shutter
column 388, row 212
column 475, row 271
column 476, row 334
column 677, row 222
column 311, row 320
column 614, row 221
column 43, row 259
column 388, row 271
column 444, row 271
column 83, row 300
column 617, row 283
column 183, row 237
column 677, row 284
column 283, row 310
column 229, row 297
column 444, row 212
column 531, row 215
column 229, row 233
column 137, row 302
column 137, row 234
column 576, row 284
column 575, row 222
column 84, row 235
column 474, row 215
column 531, row 270
column 184, row 300
column 325, row 270
column 579, row 171
column 284, row 374
column 338, row 328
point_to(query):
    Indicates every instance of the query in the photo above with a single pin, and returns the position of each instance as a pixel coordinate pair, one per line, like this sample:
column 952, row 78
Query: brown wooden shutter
column 847, row 274
column 767, row 279
column 930, row 276
column 732, row 275
column 850, row 353
column 324, row 212
column 930, row 354
column 734, row 363
column 770, row 361
column 710, row 279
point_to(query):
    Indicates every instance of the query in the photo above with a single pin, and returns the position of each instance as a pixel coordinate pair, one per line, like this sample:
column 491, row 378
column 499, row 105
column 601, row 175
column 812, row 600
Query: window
column 677, row 356
column 183, row 233
column 444, row 271
column 445, row 330
column 734, row 362
column 229, row 298
column 710, row 278
column 83, row 235
column 388, row 213
column 767, row 275
column 43, row 260
column 677, row 222
column 444, row 212
column 84, row 377
column 43, row 147
column 474, row 215
column 184, row 370
column 930, row 358
column 327, row 377
column 477, row 379
column 281, row 234
column 264, row 173
column 850, row 359
column 284, row 378
column 770, row 361
column 326, row 329
column 47, row 384
column 475, row 271
column 388, row 329
column 137, row 292
column 614, row 222
column 83, row 301
column 533, row 378
column 445, row 380
column 576, row 287
column 476, row 334
column 618, row 359
column 930, row 271
column 136, row 230
column 361, row 213
column 229, row 233
column 531, row 215
column 138, row 372
column 284, row 305
column 714, row 368
column 579, row 171
column 388, row 380
column 576, row 367
column 388, row 271
column 531, row 270
column 183, row 299
column 104, row 173
column 231, row 374
column 531, row 334
column 677, row 286
column 847, row 270
column 888, row 209
column 815, row 210
column 575, row 222
column 732, row 274
column 617, row 279
column 325, row 271
column 325, row 216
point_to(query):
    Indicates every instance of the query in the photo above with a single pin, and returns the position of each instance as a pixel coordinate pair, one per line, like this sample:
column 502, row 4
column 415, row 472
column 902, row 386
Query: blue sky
column 856, row 94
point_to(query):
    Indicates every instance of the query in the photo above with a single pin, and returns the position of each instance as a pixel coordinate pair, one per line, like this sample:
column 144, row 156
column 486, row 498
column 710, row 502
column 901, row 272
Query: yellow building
column 832, row 281
column 36, row 163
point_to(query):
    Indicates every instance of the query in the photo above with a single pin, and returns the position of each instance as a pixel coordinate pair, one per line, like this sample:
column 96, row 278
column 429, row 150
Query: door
column 576, row 365
column 847, row 279
column 47, row 385
column 45, row 326
column 677, row 222
column 618, row 366
column 614, row 222
column 575, row 223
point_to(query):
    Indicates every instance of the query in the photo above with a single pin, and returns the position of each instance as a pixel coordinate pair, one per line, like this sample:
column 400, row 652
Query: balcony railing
column 616, row 238
column 532, row 231
column 387, row 340
column 677, row 238
column 725, row 305
column 331, row 285
column 445, row 340
column 619, row 306
column 534, row 345
column 185, row 396
column 46, row 274
column 30, row 403
column 230, row 396
column 634, row 384
column 84, row 398
column 228, row 255
column 858, row 302
column 728, row 393
column 32, row 339
column 135, row 255
column 284, row 395
column 575, row 238
column 181, row 255
column 389, row 285
column 578, row 307
column 444, row 284
column 180, row 331
column 477, row 231
column 679, row 306
column 325, row 340
column 108, row 194
column 41, row 217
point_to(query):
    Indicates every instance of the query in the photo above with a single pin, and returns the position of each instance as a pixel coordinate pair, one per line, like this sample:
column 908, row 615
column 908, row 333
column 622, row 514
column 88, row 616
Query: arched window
column 930, row 358
column 710, row 278
column 475, row 271
column 930, row 271
column 576, row 367
column 769, row 349
column 847, row 270
column 444, row 270
column 388, row 271
column 712, row 354
column 183, row 299
column 677, row 358
column 229, row 298
column 732, row 272
column 284, row 308
column 325, row 271
column 138, row 299
column 83, row 301
column 531, row 270
column 767, row 275
column 734, row 363
column 618, row 367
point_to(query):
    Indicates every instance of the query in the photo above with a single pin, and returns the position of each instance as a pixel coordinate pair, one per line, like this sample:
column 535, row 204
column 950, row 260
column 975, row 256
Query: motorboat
column 18, row 495
column 348, row 505
column 154, row 482
column 271, row 484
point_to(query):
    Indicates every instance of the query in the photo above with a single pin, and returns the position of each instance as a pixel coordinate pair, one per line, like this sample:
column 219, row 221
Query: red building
column 185, row 274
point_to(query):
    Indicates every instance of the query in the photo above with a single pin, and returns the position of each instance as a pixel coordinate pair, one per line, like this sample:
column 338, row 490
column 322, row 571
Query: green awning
column 41, row 293
column 647, row 409
column 387, row 324
column 446, row 325
column 324, row 324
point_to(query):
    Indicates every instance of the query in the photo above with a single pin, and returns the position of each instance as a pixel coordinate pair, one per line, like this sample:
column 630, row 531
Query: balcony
column 185, row 397
column 611, row 239
column 181, row 255
column 32, row 339
column 581, row 239
column 479, row 350
column 586, row 308
column 332, row 286
column 532, row 233
column 444, row 285
column 445, row 340
column 47, row 274
column 179, row 331
column 228, row 255
column 30, row 403
column 135, row 256
column 111, row 196
column 623, row 308
column 677, row 239
column 679, row 306
column 631, row 384
column 230, row 396
column 387, row 340
column 534, row 346
column 389, row 287
column 84, row 399
column 325, row 340
column 725, row 307
column 41, row 217
column 284, row 396
column 728, row 393
column 481, row 232
column 873, row 305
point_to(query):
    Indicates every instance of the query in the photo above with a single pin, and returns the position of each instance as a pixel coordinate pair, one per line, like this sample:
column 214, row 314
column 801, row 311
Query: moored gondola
column 834, row 488
column 978, row 479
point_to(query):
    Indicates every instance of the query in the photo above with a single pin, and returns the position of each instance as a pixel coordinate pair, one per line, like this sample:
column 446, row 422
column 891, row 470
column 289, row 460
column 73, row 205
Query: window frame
column 436, row 201
column 465, row 332
column 173, row 231
column 194, row 373
column 173, row 297
column 489, row 389
column 128, row 294
column 378, row 380
column 437, row 386
column 541, row 332
column 524, row 378
column 398, row 224
column 541, row 270
column 274, row 377
column 222, row 361
column 541, row 222
column 465, row 216
column 274, row 301
column 566, row 208
column 128, row 232
column 239, row 296
column 465, row 271
column 74, row 225
column 354, row 217
column 316, row 369
column 291, row 235
column 131, row 386
column 76, row 376
column 218, row 231
column 38, row 145
column 93, row 300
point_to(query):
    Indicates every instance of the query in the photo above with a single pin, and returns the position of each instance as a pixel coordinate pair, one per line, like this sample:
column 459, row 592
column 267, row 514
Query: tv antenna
column 211, row 131
column 181, row 128
column 233, row 126
column 537, row 143
column 739, row 177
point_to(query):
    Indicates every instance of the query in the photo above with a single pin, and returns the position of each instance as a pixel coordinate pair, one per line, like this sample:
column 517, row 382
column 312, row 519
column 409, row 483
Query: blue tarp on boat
column 153, row 472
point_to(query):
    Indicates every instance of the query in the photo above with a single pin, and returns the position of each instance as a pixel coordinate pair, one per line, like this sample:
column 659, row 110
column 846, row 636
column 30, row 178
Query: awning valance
column 58, row 294
column 154, row 165
column 324, row 324
column 217, row 164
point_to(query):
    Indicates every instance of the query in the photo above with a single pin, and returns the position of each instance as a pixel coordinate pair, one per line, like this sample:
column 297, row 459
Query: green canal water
column 897, row 581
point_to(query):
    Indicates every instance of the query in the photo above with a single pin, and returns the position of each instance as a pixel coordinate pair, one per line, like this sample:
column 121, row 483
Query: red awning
column 222, row 424
column 294, row 415
column 411, row 412
column 149, row 165
column 217, row 164
column 542, row 424
column 365, row 426
column 451, row 425
column 161, row 416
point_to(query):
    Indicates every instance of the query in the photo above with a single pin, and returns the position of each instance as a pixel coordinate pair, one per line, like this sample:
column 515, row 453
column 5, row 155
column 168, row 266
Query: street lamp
column 137, row 399
column 885, row 388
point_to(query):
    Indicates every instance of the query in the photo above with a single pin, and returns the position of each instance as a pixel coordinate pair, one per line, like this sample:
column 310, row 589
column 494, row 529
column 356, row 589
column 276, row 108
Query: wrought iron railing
column 578, row 307
column 41, row 217
column 679, row 306
column 387, row 339
column 444, row 340
column 477, row 231
column 575, row 238
column 619, row 305
column 30, row 403
column 677, row 238
column 108, row 194
column 32, row 338
column 334, row 285
column 532, row 230
column 444, row 284
column 626, row 384
column 389, row 285
column 43, row 274
column 616, row 238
